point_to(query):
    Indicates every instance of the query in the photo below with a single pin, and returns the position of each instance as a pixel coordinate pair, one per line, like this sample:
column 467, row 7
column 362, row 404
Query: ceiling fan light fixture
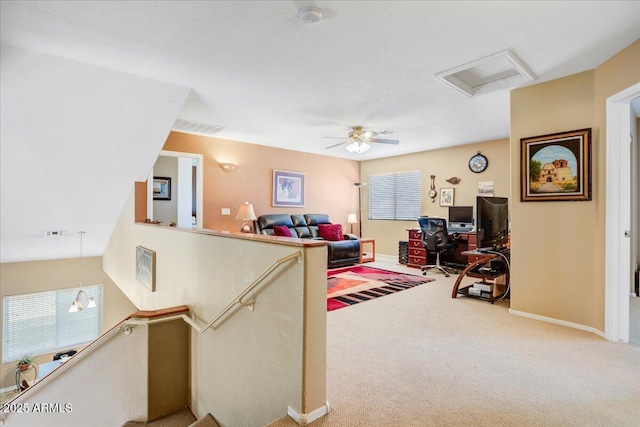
column 358, row 147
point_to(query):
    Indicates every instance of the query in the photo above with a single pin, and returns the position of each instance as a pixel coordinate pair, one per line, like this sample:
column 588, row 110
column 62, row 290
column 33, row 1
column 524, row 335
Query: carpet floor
column 422, row 358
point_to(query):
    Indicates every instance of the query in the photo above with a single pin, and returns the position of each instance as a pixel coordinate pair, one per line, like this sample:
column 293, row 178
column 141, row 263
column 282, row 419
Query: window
column 40, row 323
column 395, row 196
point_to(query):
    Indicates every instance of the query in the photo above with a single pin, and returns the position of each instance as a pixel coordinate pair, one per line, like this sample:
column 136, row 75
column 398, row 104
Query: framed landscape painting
column 556, row 167
column 288, row 189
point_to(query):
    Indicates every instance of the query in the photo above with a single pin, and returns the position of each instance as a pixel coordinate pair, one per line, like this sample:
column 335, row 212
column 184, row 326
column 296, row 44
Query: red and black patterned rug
column 353, row 285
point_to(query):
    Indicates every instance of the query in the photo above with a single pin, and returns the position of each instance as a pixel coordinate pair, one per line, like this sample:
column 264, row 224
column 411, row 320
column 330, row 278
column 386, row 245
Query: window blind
column 40, row 323
column 395, row 196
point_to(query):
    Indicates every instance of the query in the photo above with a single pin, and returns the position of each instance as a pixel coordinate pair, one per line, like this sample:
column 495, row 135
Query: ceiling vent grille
column 196, row 128
column 493, row 73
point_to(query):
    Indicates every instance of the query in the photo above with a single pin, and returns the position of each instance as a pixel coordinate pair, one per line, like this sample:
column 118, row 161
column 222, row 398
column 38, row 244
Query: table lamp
column 246, row 214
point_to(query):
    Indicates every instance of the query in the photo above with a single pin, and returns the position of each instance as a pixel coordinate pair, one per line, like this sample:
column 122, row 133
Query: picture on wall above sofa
column 288, row 188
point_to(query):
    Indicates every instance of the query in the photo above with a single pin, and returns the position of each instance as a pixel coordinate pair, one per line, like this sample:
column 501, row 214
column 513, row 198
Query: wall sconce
column 246, row 214
column 227, row 167
column 352, row 219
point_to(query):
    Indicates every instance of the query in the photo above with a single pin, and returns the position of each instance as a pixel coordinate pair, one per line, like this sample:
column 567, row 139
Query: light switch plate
column 226, row 211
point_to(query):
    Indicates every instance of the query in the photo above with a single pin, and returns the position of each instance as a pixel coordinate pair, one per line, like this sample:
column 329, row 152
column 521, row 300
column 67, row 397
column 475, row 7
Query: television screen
column 461, row 216
column 492, row 215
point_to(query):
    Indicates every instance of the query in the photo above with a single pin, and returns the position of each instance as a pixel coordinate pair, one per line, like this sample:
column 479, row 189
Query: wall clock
column 478, row 163
column 433, row 193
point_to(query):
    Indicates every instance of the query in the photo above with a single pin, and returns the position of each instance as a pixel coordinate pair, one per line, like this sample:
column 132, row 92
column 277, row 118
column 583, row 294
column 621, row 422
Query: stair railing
column 237, row 300
column 126, row 327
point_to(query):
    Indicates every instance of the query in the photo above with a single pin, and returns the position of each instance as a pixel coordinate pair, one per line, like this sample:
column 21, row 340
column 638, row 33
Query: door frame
column 618, row 214
column 198, row 159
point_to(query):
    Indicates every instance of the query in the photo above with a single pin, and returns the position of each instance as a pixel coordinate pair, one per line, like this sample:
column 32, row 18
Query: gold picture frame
column 556, row 167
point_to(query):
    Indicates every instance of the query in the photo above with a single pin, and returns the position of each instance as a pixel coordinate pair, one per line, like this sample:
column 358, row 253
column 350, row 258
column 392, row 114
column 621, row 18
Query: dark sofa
column 340, row 252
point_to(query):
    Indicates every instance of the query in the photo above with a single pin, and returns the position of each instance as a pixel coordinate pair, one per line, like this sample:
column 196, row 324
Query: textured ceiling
column 258, row 70
column 269, row 78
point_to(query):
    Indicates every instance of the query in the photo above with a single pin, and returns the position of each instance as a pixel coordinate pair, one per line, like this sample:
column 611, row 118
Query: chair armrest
column 349, row 236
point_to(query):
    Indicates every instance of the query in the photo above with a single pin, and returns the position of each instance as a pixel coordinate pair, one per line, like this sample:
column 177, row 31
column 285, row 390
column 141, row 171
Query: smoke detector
column 311, row 15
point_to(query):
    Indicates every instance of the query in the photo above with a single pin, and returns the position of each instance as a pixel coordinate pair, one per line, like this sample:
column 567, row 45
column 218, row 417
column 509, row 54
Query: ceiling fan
column 359, row 139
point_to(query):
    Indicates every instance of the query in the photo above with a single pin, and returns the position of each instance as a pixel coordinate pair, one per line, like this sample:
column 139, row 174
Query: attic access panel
column 490, row 74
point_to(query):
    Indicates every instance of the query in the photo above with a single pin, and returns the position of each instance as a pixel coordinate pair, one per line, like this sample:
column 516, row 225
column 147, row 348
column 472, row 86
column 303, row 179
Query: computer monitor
column 492, row 222
column 460, row 216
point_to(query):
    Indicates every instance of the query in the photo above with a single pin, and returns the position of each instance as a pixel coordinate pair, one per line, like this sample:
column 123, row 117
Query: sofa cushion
column 265, row 223
column 331, row 232
column 282, row 230
column 313, row 220
column 301, row 227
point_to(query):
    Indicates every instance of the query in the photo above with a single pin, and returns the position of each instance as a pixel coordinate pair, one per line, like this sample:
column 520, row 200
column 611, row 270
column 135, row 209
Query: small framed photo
column 288, row 189
column 485, row 188
column 446, row 196
column 161, row 188
column 146, row 267
column 556, row 167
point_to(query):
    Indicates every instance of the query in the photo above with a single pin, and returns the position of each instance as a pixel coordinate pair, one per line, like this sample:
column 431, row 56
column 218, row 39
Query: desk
column 491, row 268
column 365, row 257
column 417, row 254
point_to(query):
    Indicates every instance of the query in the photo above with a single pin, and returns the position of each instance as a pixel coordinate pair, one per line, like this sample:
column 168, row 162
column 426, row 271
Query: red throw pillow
column 282, row 230
column 331, row 232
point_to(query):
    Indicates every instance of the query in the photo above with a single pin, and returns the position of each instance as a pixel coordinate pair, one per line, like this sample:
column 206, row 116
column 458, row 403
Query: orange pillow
column 331, row 232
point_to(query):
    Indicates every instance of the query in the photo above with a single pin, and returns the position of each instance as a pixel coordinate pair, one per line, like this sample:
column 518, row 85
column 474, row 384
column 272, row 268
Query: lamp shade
column 352, row 219
column 246, row 212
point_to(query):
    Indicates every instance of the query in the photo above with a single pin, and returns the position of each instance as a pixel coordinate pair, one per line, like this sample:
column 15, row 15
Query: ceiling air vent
column 196, row 128
column 490, row 74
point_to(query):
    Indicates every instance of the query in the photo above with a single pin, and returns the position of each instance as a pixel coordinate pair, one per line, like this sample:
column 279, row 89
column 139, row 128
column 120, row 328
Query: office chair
column 67, row 353
column 435, row 239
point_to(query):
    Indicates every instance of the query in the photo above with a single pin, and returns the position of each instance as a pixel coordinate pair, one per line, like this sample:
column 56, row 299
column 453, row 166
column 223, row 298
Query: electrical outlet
column 226, row 211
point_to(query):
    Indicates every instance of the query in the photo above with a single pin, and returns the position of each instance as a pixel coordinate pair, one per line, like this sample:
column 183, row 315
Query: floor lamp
column 360, row 185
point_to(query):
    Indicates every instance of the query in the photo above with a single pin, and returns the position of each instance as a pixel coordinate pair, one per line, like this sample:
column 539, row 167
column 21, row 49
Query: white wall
column 166, row 211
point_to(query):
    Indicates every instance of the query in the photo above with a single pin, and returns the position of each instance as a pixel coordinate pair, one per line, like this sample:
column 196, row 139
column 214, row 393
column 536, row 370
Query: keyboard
column 459, row 229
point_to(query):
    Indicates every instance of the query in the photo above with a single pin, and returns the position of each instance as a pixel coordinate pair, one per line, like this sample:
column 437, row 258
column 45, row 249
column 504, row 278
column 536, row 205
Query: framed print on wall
column 161, row 188
column 288, row 188
column 146, row 267
column 446, row 196
column 556, row 167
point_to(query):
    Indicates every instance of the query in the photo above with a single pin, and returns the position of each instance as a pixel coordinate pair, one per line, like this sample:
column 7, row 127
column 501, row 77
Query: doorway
column 186, row 206
column 619, row 198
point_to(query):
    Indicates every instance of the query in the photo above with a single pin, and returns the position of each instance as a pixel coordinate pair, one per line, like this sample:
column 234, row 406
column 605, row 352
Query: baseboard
column 557, row 322
column 306, row 419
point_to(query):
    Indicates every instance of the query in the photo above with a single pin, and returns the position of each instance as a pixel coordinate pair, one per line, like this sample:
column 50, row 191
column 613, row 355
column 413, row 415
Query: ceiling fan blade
column 335, row 145
column 385, row 141
column 334, row 137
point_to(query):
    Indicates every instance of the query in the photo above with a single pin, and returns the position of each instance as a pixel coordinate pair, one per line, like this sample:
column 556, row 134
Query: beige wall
column 85, row 387
column 269, row 358
column 328, row 181
column 38, row 276
column 558, row 248
column 444, row 164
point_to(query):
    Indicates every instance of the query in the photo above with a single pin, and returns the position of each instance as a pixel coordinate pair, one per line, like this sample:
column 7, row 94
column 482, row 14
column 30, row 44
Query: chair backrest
column 67, row 353
column 434, row 232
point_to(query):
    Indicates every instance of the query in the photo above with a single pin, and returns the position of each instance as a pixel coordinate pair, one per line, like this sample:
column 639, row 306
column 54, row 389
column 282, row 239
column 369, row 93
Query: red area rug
column 353, row 285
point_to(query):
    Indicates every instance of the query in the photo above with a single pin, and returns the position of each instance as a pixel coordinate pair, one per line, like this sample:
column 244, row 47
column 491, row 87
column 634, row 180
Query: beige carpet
column 421, row 358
